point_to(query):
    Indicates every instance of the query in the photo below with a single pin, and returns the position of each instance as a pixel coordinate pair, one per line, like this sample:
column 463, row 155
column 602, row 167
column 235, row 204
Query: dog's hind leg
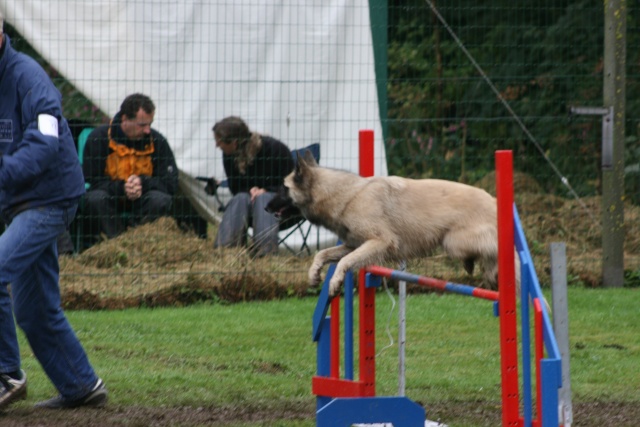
column 469, row 263
column 477, row 244
column 326, row 256
column 490, row 272
column 371, row 252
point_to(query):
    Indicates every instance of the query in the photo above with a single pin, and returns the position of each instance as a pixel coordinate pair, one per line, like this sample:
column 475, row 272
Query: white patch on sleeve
column 48, row 125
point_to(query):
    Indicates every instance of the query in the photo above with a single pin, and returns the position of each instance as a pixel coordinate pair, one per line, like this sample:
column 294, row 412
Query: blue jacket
column 35, row 169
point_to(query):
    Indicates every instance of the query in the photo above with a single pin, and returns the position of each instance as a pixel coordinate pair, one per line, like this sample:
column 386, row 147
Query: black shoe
column 97, row 398
column 12, row 389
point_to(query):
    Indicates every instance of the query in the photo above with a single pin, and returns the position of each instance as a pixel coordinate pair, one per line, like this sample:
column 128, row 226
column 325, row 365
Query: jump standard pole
column 345, row 401
column 507, row 289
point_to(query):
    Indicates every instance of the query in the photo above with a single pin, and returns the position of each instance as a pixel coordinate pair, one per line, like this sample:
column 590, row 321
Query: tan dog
column 385, row 219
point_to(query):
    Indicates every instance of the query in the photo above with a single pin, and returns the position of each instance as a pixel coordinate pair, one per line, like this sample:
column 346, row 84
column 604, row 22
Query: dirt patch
column 480, row 414
column 585, row 414
column 156, row 417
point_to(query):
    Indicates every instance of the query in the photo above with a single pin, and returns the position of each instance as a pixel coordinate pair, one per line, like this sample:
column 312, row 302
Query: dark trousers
column 111, row 215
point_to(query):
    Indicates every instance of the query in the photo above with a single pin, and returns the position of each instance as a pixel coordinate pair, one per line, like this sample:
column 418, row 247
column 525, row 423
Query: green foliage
column 75, row 105
column 632, row 279
column 542, row 60
column 444, row 120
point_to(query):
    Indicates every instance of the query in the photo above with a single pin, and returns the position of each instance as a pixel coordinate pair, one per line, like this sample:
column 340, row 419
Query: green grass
column 228, row 355
column 261, row 355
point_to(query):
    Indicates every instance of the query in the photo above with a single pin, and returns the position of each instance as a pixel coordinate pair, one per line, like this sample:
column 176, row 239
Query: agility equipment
column 342, row 402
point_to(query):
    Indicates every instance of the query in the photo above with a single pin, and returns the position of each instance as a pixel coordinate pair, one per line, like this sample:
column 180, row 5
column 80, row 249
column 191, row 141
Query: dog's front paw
column 334, row 287
column 314, row 276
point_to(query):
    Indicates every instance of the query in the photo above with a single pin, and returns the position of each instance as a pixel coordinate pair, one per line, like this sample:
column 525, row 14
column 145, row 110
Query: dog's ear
column 308, row 159
column 304, row 162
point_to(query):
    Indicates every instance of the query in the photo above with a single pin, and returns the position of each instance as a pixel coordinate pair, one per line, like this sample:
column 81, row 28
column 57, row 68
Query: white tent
column 302, row 71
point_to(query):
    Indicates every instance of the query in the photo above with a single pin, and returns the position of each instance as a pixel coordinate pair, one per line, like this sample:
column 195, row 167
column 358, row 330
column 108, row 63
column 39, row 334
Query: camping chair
column 301, row 226
column 82, row 142
column 293, row 225
column 77, row 229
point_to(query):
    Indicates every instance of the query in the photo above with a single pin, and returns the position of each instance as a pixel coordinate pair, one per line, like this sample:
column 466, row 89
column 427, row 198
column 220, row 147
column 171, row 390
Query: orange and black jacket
column 109, row 157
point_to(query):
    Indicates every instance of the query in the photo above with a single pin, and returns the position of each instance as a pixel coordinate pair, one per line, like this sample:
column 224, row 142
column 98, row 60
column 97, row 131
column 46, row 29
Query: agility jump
column 345, row 401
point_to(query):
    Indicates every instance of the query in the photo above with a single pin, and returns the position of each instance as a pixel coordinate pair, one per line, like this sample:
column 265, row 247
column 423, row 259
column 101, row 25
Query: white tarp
column 299, row 70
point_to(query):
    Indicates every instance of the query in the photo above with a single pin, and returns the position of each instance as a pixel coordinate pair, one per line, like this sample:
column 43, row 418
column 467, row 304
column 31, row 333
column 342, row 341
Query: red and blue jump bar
column 429, row 282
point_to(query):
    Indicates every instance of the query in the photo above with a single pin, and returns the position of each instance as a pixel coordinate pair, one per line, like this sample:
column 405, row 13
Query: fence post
column 561, row 325
column 613, row 90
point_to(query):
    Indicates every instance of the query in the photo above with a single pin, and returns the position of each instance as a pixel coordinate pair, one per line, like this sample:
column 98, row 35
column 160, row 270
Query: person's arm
column 165, row 170
column 41, row 118
column 233, row 175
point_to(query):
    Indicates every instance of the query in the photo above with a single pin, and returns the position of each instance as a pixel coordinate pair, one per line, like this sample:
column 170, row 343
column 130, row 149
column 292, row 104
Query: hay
column 159, row 264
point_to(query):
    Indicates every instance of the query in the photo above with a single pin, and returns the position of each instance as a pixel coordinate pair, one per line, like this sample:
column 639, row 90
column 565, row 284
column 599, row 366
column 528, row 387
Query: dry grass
column 159, row 264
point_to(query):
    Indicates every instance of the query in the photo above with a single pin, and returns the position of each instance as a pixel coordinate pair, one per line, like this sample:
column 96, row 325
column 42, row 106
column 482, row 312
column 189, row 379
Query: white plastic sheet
column 301, row 71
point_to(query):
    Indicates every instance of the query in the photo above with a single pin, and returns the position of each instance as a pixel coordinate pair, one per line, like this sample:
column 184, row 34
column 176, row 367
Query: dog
column 390, row 219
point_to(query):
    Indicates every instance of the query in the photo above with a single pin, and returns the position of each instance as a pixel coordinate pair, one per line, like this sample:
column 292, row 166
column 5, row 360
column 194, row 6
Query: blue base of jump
column 344, row 412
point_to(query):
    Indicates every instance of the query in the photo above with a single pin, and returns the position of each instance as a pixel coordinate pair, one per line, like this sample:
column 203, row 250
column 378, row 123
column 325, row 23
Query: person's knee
column 240, row 199
column 238, row 207
column 263, row 200
column 260, row 213
column 96, row 200
column 158, row 203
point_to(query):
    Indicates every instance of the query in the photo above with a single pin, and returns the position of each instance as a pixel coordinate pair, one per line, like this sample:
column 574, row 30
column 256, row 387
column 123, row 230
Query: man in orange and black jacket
column 129, row 167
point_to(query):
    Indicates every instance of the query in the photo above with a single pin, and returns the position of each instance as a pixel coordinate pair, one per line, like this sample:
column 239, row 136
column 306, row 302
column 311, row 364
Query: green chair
column 78, row 221
column 82, row 141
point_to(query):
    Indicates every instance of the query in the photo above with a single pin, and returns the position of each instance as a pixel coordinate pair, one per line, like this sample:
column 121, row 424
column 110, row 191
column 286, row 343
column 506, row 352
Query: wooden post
column 615, row 52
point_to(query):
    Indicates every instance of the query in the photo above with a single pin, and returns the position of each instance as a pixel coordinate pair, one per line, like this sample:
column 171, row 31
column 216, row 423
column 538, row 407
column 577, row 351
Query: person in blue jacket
column 41, row 183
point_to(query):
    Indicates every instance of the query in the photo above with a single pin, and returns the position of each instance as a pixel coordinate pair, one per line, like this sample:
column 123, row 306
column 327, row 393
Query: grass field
column 251, row 364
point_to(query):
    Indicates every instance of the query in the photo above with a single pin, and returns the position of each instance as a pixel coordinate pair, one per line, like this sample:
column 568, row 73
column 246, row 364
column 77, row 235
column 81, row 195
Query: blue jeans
column 29, row 262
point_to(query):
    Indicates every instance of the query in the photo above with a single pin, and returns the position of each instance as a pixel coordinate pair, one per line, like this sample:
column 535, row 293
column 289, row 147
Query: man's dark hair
column 135, row 102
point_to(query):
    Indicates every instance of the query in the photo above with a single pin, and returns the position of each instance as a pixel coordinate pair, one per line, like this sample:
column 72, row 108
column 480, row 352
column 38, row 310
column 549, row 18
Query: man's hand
column 133, row 187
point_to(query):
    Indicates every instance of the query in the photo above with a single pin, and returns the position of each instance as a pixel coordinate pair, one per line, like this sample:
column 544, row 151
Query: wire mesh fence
column 443, row 84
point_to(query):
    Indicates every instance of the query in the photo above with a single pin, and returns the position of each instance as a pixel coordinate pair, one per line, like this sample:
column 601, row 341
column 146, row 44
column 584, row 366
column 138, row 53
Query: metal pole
column 402, row 332
column 561, row 326
column 615, row 52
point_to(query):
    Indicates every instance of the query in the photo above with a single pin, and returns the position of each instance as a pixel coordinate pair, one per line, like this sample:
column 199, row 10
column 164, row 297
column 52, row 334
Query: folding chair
column 301, row 226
